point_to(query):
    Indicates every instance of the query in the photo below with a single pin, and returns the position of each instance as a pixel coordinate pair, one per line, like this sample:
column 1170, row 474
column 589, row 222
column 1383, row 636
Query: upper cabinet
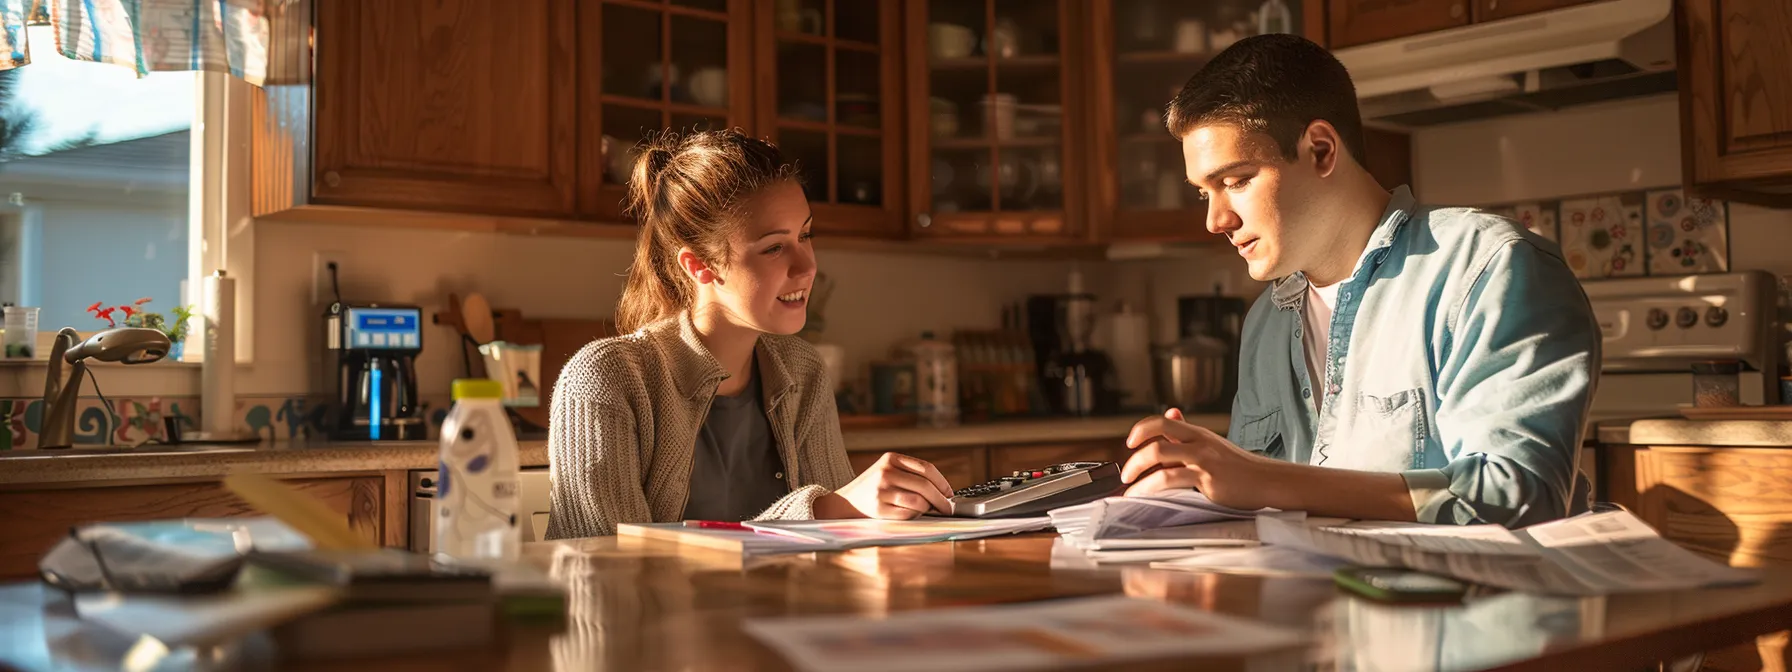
column 453, row 105
column 646, row 66
column 1355, row 22
column 994, row 153
column 1144, row 51
column 1736, row 100
column 829, row 92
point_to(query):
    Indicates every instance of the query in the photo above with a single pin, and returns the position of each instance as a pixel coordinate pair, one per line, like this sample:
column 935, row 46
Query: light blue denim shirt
column 1463, row 356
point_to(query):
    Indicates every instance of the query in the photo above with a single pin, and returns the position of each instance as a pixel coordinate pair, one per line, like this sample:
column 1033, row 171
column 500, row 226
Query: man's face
column 1254, row 197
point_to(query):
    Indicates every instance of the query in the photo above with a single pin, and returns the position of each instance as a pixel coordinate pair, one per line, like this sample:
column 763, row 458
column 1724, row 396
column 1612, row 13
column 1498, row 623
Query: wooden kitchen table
column 645, row 605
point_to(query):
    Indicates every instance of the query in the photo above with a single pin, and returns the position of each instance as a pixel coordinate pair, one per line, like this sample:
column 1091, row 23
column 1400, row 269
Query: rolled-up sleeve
column 1515, row 380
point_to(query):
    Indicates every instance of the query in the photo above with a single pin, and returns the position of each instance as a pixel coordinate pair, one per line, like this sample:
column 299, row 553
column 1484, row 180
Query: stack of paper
column 1165, row 525
column 801, row 536
column 1590, row 554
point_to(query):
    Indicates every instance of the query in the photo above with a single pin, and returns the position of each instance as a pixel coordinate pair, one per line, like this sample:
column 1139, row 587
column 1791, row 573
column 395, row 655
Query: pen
column 739, row 527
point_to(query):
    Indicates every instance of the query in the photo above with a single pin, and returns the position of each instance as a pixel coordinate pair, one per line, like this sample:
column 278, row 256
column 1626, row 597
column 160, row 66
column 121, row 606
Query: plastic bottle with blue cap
column 476, row 515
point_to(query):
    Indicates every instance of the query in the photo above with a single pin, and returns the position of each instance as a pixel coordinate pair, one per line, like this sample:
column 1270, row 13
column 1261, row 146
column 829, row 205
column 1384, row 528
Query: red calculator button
column 1038, row 474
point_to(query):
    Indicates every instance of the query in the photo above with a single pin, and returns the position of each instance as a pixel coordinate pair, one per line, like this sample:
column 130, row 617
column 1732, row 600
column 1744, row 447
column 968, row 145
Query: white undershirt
column 1316, row 315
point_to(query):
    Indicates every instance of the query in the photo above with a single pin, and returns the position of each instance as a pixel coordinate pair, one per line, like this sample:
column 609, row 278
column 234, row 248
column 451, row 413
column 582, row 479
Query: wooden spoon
column 477, row 314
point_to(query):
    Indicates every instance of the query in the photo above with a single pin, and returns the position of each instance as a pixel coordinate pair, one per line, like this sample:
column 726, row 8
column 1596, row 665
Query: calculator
column 1033, row 493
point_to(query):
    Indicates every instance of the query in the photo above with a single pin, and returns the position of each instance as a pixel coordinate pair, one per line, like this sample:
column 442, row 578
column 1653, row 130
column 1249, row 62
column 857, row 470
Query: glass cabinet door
column 647, row 66
column 1149, row 49
column 830, row 76
column 992, row 150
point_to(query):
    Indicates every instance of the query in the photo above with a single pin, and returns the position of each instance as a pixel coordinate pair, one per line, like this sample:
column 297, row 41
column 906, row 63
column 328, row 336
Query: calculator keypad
column 1020, row 478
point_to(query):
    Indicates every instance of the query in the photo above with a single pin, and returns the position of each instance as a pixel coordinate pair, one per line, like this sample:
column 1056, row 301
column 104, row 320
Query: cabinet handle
column 1493, row 5
column 332, row 179
column 1456, row 10
column 924, row 220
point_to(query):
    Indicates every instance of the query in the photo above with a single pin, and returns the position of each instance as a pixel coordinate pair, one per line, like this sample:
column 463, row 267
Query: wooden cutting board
column 559, row 338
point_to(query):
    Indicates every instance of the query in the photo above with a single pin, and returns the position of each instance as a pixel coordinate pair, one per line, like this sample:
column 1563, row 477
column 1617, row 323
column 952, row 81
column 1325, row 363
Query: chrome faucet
column 131, row 345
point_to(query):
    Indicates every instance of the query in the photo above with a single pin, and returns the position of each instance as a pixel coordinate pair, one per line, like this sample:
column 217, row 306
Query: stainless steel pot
column 1190, row 375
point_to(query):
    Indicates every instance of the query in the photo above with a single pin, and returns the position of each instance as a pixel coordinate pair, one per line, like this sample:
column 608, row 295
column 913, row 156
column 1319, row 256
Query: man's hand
column 1169, row 453
column 896, row 487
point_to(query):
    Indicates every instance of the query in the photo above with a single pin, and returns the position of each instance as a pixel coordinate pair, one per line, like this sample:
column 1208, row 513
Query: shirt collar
column 696, row 371
column 1290, row 293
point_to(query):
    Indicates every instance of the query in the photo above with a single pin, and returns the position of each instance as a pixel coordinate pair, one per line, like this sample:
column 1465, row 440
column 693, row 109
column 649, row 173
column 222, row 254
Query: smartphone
column 1391, row 584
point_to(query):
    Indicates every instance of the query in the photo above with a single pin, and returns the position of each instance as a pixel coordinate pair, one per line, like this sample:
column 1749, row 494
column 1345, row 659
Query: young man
column 1407, row 362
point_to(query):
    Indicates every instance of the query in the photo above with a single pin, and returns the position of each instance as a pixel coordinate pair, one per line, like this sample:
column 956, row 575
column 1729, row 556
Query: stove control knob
column 1716, row 316
column 1686, row 317
column 1658, row 318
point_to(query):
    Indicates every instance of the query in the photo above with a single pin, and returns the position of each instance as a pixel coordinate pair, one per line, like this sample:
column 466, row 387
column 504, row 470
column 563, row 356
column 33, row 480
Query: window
column 94, row 173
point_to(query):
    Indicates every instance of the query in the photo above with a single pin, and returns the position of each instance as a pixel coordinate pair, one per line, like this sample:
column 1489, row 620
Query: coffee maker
column 1076, row 378
column 373, row 373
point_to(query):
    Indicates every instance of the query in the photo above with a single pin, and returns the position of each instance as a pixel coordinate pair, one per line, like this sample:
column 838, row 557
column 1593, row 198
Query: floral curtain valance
column 228, row 36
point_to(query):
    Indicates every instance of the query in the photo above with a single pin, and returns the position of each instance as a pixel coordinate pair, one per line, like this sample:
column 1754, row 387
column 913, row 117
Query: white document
column 1592, row 554
column 1223, row 533
column 1115, row 517
column 1101, row 631
column 1284, row 561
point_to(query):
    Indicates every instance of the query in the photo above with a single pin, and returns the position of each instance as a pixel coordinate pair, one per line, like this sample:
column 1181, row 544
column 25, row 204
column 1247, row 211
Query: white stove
column 1655, row 329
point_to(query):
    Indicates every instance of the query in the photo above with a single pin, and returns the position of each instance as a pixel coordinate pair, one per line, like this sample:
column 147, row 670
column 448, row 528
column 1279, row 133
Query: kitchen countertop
column 200, row 461
column 1682, row 432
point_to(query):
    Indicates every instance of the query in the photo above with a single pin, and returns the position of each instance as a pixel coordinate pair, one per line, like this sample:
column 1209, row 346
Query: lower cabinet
column 373, row 505
column 1732, row 505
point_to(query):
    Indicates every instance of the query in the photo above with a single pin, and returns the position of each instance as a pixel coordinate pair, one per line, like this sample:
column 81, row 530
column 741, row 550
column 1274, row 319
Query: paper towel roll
column 217, row 377
column 1129, row 346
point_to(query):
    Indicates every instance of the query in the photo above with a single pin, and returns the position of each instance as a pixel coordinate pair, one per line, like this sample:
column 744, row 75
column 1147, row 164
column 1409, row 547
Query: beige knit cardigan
column 624, row 421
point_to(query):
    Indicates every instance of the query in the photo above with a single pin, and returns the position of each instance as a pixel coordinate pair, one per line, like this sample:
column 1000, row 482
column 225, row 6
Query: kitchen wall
column 1615, row 146
column 879, row 298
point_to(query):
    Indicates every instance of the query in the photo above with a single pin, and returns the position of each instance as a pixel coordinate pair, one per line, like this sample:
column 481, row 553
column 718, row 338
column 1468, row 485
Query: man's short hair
column 1274, row 84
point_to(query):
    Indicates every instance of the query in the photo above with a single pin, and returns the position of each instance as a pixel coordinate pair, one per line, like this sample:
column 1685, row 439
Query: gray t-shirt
column 737, row 471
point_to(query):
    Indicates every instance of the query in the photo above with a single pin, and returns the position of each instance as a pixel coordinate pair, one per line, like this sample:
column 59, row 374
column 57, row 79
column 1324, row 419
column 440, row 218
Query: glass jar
column 1717, row 384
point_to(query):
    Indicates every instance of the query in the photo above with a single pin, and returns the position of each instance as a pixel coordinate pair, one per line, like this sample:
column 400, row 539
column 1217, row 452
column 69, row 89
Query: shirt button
column 1306, row 393
column 779, row 475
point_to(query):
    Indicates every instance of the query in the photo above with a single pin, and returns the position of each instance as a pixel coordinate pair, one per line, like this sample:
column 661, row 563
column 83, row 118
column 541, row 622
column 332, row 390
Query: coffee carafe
column 373, row 374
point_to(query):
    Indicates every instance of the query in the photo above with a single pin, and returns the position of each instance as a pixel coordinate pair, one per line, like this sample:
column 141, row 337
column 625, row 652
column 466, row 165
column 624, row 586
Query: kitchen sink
column 146, row 449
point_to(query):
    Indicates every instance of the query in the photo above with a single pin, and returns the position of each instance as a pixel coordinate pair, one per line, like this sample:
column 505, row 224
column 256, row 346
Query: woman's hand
column 896, row 487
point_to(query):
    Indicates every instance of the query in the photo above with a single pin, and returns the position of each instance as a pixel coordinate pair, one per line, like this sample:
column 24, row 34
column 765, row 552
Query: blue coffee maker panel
column 385, row 328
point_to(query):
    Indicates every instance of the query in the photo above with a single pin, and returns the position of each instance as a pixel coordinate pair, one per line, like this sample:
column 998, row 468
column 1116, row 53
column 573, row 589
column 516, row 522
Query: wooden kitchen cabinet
column 830, row 95
column 1494, row 10
column 1143, row 53
column 995, row 147
column 1731, row 505
column 453, row 105
column 373, row 505
column 647, row 66
column 1354, row 22
column 1735, row 99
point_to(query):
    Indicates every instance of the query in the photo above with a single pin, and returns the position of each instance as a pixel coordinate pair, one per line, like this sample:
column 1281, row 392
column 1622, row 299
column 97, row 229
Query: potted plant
column 135, row 315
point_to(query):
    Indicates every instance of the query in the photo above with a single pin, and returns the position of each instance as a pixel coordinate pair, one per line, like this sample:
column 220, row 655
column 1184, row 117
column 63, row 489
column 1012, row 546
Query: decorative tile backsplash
column 135, row 419
column 1631, row 233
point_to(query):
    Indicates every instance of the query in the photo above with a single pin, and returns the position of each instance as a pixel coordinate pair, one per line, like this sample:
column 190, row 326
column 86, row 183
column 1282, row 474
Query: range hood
column 1599, row 51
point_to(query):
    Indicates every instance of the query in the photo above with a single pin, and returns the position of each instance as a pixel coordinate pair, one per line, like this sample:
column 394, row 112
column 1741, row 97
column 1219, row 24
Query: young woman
column 708, row 408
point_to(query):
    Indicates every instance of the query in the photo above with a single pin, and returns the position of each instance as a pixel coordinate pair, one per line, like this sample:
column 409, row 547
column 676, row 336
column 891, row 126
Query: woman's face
column 771, row 264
